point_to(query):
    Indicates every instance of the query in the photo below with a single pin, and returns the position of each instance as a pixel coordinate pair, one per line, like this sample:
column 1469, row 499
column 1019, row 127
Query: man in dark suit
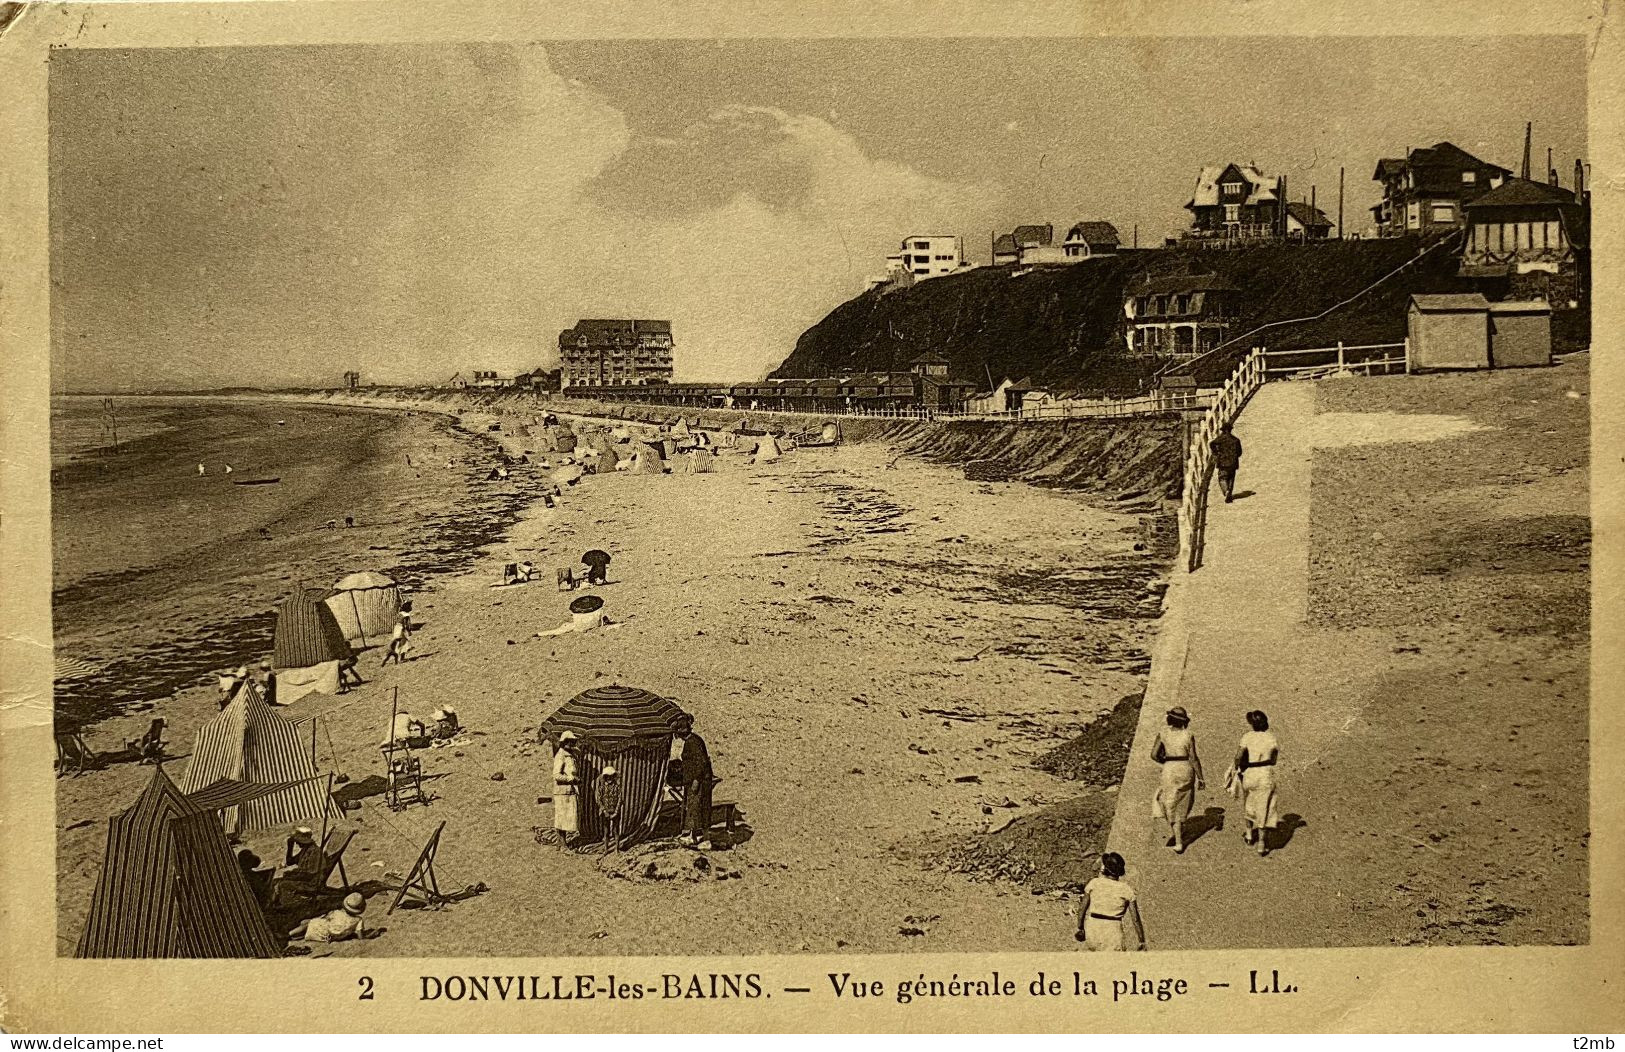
column 1226, row 459
column 697, row 779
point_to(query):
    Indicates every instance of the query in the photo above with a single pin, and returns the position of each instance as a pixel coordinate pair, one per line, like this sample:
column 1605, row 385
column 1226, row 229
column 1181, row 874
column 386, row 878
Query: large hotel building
column 615, row 352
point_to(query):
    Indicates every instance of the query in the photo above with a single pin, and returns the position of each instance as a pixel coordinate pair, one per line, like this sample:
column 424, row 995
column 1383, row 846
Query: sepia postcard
column 1155, row 568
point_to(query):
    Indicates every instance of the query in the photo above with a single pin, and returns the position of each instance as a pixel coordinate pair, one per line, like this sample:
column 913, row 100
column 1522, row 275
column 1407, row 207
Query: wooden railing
column 1232, row 397
column 1314, row 363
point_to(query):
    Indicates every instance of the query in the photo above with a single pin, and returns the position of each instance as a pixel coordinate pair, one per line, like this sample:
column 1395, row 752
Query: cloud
column 414, row 212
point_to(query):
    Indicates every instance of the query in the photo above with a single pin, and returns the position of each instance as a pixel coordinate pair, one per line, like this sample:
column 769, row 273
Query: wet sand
column 873, row 654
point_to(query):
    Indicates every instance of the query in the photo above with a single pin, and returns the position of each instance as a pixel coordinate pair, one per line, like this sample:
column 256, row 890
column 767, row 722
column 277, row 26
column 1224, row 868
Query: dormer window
column 1469, row 178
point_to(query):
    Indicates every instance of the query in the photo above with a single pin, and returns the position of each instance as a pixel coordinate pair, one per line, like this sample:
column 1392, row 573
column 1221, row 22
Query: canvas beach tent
column 646, row 460
column 308, row 649
column 365, row 605
column 630, row 729
column 767, row 450
column 169, row 886
column 251, row 742
column 697, row 462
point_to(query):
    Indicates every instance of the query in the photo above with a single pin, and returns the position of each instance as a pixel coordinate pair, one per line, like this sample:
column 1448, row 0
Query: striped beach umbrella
column 614, row 716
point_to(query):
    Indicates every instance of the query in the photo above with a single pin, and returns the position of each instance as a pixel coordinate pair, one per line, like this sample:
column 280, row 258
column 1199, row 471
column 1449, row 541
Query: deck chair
column 149, row 748
column 405, row 775
column 72, row 754
column 421, row 882
column 567, row 579
column 510, row 573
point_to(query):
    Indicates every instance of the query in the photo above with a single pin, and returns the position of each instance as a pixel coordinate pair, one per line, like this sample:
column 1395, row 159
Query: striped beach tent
column 251, row 742
column 309, row 644
column 365, row 605
column 631, row 729
column 169, row 886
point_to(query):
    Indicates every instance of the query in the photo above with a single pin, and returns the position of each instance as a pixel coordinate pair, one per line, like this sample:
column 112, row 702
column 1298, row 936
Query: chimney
column 1579, row 180
column 1528, row 135
column 1551, row 173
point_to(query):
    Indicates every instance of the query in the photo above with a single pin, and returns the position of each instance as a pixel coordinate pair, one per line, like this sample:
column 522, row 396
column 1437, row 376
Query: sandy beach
column 876, row 656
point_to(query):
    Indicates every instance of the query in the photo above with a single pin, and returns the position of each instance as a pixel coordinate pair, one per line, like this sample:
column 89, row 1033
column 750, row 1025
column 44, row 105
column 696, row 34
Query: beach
column 876, row 649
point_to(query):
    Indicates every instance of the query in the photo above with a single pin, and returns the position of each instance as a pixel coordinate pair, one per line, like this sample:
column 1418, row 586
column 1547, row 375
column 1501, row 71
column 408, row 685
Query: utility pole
column 1528, row 135
column 1340, row 203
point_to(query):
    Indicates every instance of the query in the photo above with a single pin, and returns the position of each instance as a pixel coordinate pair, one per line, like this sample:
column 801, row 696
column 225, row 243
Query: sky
column 279, row 215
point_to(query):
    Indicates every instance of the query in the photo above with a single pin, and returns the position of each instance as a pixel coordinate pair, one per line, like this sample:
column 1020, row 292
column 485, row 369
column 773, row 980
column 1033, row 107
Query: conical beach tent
column 309, row 646
column 250, row 742
column 630, row 728
column 767, row 450
column 169, row 886
column 365, row 606
column 646, row 460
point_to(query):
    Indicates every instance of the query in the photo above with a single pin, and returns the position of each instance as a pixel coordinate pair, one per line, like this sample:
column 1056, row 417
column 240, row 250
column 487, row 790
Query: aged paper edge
column 1539, row 989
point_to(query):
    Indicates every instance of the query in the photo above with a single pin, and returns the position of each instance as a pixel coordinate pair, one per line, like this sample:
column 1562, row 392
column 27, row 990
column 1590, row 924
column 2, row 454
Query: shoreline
column 134, row 651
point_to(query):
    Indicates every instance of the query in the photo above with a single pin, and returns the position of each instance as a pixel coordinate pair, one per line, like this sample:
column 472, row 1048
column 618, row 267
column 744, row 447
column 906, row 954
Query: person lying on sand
column 586, row 614
column 337, row 926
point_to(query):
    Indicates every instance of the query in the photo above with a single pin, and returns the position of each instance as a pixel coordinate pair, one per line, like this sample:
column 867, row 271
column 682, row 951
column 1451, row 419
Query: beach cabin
column 1520, row 333
column 1449, row 331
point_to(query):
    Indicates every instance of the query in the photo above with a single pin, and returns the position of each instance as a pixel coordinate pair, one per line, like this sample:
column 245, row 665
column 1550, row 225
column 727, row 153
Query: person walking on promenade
column 1226, row 459
column 698, row 780
column 1109, row 902
column 566, row 795
column 1175, row 750
column 1253, row 779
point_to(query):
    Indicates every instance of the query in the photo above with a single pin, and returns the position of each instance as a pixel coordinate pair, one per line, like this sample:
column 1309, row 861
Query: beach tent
column 169, row 886
column 365, row 605
column 309, row 645
column 631, row 729
column 681, row 429
column 698, row 462
column 251, row 742
column 646, row 460
column 767, row 450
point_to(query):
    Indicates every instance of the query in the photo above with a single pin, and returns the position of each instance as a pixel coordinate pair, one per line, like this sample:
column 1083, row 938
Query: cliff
column 1063, row 325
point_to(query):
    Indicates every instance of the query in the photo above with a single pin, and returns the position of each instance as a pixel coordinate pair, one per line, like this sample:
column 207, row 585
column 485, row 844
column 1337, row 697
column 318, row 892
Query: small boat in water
column 255, row 482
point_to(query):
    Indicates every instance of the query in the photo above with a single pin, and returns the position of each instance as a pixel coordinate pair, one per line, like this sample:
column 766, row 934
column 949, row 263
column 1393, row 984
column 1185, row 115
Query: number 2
column 365, row 982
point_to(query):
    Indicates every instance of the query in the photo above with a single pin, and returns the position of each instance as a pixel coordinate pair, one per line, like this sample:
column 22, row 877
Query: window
column 1231, row 188
column 922, row 259
column 1413, row 215
column 1232, row 213
column 949, row 258
column 922, row 244
column 1468, row 178
column 1444, row 213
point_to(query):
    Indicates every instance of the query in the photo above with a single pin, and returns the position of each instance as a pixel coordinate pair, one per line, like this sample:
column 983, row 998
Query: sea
column 163, row 575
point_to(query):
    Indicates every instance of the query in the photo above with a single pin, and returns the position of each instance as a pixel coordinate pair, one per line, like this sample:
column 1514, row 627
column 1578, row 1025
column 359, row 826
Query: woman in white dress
column 1255, row 764
column 566, row 789
column 1108, row 905
column 1175, row 750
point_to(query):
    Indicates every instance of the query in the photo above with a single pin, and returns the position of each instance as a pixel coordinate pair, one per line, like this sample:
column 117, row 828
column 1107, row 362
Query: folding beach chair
column 405, row 776
column 149, row 748
column 72, row 754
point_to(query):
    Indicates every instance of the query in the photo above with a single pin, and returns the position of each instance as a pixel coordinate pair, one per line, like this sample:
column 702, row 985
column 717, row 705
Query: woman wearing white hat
column 566, row 798
column 341, row 924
